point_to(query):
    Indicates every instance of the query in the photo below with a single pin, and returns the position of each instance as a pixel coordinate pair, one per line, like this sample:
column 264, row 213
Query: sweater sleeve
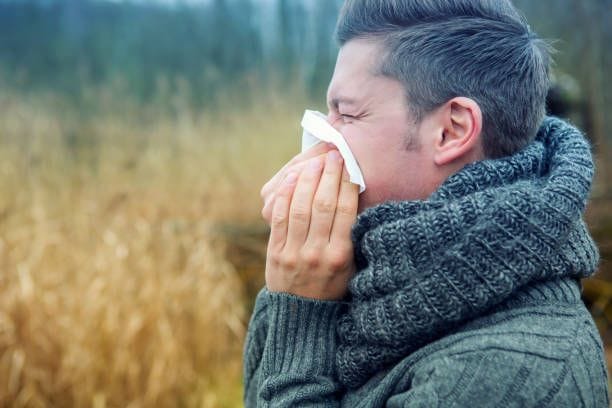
column 289, row 356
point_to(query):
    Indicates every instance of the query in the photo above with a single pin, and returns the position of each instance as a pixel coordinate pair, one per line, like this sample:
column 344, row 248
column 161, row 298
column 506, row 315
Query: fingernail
column 335, row 156
column 291, row 178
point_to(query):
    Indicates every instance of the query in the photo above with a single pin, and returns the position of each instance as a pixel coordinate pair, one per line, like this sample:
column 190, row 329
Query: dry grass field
column 114, row 287
column 125, row 271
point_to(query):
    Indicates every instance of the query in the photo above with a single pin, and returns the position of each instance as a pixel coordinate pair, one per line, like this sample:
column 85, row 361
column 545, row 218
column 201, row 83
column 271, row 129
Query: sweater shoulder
column 550, row 331
column 533, row 356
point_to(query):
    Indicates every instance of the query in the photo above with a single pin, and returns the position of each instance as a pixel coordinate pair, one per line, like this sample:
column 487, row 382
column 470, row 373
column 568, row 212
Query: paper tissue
column 317, row 129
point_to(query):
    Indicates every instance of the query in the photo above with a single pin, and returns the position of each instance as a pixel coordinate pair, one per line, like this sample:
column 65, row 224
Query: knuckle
column 324, row 206
column 300, row 214
column 345, row 208
column 339, row 258
column 265, row 190
column 348, row 185
column 278, row 220
column 265, row 214
column 337, row 262
column 288, row 261
column 311, row 258
column 275, row 257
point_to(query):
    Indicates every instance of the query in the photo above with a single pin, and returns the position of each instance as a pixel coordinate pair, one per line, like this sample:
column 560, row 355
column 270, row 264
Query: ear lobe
column 462, row 126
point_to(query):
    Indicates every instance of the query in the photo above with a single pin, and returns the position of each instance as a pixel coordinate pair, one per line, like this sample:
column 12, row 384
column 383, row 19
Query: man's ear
column 461, row 132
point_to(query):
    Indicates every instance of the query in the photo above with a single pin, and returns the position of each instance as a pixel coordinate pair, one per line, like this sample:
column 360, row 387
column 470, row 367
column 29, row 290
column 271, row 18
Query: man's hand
column 310, row 253
column 268, row 192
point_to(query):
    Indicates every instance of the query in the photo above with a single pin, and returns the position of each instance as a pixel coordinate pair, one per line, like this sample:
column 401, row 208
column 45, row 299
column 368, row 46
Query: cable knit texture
column 495, row 226
column 470, row 298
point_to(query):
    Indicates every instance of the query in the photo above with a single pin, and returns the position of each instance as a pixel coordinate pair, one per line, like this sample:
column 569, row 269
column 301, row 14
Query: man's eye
column 346, row 117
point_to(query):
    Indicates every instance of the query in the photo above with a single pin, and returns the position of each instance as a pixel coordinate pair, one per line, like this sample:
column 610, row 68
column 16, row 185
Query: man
column 459, row 285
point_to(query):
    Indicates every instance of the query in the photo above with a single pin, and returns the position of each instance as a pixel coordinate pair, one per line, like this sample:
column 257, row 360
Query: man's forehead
column 357, row 57
column 346, row 90
column 350, row 89
column 355, row 67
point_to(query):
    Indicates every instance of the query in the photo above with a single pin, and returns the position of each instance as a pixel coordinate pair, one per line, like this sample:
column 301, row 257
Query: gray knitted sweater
column 469, row 298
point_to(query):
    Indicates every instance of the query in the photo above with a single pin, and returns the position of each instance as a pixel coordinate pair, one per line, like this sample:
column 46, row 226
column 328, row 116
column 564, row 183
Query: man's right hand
column 295, row 165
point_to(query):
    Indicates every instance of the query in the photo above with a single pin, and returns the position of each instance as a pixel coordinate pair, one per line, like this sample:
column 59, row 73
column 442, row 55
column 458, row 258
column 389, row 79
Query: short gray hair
column 440, row 49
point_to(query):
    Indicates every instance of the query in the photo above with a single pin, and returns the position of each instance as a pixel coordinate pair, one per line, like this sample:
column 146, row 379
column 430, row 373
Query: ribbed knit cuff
column 301, row 336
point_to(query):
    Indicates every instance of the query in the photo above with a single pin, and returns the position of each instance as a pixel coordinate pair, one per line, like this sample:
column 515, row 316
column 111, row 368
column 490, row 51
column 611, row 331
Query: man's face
column 372, row 113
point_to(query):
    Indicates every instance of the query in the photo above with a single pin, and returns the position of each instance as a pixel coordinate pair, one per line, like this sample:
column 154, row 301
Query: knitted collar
column 497, row 226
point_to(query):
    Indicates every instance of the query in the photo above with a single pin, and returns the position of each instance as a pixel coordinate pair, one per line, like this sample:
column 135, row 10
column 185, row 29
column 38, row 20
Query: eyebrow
column 335, row 102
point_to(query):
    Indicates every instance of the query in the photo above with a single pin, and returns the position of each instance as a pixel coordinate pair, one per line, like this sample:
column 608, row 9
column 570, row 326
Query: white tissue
column 317, row 129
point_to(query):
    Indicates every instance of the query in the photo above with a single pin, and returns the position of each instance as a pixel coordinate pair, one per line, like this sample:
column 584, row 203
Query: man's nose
column 333, row 120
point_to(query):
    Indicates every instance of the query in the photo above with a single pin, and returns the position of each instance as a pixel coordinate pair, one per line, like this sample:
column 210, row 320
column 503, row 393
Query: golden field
column 115, row 289
column 129, row 241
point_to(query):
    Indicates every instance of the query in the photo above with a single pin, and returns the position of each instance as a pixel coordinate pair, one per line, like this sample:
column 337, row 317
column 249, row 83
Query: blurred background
column 134, row 139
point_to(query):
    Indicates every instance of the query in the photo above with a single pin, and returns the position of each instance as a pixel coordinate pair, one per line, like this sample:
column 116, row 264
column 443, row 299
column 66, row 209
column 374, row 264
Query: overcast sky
column 162, row 1
column 176, row 1
column 170, row 2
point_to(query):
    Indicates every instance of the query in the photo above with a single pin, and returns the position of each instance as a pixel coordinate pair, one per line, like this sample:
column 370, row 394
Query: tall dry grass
column 113, row 286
